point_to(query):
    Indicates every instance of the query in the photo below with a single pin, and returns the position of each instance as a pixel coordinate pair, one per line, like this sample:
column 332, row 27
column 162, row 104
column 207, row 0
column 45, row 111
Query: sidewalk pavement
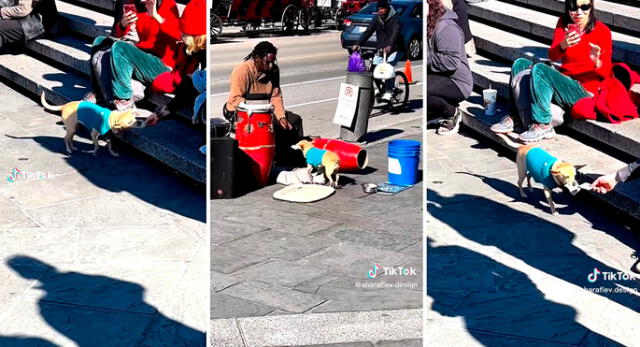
column 276, row 258
column 94, row 250
column 504, row 272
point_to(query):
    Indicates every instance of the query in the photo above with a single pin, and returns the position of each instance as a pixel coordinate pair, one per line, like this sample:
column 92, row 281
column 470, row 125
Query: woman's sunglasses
column 584, row 8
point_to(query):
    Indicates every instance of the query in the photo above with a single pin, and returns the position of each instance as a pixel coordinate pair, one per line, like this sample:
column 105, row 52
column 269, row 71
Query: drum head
column 303, row 193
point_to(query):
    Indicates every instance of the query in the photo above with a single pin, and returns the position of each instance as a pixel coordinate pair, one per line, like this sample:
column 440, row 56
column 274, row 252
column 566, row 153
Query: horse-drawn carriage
column 254, row 15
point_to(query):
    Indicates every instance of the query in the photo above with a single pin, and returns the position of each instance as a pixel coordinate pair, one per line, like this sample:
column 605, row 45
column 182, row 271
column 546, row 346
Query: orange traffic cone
column 407, row 72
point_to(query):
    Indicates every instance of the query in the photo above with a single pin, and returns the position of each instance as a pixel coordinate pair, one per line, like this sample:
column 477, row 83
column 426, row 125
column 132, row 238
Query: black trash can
column 360, row 122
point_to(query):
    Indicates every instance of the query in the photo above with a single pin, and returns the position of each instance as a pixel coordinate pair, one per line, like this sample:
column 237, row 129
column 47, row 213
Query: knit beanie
column 194, row 18
column 383, row 4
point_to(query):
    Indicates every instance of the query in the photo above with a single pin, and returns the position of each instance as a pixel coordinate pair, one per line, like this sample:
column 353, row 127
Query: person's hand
column 128, row 18
column 152, row 120
column 605, row 184
column 284, row 123
column 570, row 39
column 355, row 48
column 387, row 50
column 152, row 9
column 595, row 54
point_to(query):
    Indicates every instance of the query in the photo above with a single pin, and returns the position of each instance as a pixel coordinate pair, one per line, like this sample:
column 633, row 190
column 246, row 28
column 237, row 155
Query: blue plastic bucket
column 404, row 158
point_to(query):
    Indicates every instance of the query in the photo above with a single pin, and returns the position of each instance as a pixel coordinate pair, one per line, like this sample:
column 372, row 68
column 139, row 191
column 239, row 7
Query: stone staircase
column 505, row 30
column 59, row 66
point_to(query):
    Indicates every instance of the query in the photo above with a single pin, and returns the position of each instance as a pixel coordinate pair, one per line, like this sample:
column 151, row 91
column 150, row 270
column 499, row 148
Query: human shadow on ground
column 24, row 341
column 94, row 310
column 501, row 306
column 131, row 173
column 538, row 242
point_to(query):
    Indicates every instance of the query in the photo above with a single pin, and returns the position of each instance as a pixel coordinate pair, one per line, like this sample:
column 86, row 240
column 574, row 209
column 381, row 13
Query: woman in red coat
column 583, row 44
column 147, row 46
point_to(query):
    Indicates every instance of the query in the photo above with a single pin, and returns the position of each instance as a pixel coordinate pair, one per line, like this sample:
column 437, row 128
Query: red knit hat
column 194, row 18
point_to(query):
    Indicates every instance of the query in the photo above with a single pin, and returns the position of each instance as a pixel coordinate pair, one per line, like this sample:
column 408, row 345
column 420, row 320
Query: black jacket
column 43, row 18
column 387, row 32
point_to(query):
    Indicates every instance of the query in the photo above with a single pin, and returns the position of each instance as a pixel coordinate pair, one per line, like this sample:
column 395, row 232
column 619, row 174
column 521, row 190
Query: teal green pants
column 548, row 85
column 127, row 62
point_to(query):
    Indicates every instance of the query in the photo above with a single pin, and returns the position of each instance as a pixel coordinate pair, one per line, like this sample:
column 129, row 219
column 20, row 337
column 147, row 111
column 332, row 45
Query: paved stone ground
column 505, row 272
column 102, row 251
column 273, row 258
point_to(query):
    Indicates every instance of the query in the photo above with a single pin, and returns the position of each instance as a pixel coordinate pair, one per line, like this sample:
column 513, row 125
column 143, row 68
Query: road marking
column 306, row 82
column 296, row 57
column 294, row 84
column 310, row 103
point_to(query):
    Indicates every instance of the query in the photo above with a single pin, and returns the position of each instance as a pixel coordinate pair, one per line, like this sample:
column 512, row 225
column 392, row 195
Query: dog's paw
column 523, row 195
column 554, row 213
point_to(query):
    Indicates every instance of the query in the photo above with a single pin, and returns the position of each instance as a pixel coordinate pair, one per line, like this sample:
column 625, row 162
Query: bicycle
column 400, row 91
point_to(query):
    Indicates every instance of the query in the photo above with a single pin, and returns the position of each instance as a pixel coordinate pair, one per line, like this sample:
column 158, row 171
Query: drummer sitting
column 259, row 74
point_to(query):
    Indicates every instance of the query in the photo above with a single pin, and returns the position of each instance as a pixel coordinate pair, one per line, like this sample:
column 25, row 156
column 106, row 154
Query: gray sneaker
column 504, row 126
column 537, row 132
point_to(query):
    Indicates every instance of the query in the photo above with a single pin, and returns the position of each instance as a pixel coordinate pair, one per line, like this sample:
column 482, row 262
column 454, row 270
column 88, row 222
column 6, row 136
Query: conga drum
column 255, row 136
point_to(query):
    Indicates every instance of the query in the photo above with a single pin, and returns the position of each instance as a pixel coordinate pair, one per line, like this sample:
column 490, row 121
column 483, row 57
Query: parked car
column 410, row 14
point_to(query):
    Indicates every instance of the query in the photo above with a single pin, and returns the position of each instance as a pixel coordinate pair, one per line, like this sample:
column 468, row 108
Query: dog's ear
column 578, row 167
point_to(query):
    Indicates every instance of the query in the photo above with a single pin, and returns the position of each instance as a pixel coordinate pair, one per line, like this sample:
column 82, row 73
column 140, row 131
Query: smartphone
column 129, row 8
column 575, row 28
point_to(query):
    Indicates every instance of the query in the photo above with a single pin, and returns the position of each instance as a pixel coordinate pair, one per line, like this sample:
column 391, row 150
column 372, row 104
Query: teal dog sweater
column 314, row 156
column 539, row 163
column 94, row 117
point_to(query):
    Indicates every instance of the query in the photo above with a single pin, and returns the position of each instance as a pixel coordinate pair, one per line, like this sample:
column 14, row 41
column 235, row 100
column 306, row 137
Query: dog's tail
column 507, row 139
column 43, row 100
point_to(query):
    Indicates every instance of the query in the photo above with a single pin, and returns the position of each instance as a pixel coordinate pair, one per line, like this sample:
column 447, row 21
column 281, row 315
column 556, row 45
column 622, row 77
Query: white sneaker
column 386, row 96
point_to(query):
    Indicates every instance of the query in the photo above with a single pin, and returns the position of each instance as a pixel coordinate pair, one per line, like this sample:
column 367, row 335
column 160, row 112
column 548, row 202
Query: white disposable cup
column 489, row 96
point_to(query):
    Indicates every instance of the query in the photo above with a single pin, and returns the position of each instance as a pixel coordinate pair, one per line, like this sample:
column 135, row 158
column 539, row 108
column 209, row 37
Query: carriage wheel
column 305, row 18
column 216, row 27
column 289, row 19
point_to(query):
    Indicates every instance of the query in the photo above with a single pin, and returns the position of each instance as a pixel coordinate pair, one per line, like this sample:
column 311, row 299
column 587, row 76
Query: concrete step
column 539, row 25
column 621, row 16
column 103, row 5
column 84, row 21
column 625, row 198
column 172, row 143
column 69, row 51
column 624, row 137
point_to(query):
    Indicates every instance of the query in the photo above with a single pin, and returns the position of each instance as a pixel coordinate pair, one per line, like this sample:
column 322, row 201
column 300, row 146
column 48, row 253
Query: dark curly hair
column 436, row 11
column 261, row 50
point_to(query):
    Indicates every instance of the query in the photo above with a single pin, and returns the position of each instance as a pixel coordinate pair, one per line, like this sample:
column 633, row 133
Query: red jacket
column 612, row 101
column 155, row 38
column 575, row 60
column 167, row 82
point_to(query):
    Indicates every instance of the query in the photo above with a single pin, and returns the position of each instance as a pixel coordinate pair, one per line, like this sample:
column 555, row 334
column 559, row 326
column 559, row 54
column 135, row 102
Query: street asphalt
column 271, row 258
column 504, row 272
column 94, row 251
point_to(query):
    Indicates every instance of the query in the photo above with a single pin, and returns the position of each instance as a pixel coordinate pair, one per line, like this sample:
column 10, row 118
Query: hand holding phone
column 572, row 37
column 129, row 15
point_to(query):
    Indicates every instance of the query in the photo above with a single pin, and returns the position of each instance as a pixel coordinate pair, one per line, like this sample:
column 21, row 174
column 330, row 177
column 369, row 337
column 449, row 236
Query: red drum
column 352, row 157
column 255, row 135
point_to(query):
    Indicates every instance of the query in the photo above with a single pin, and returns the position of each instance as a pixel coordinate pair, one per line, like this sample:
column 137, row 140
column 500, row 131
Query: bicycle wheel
column 400, row 91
